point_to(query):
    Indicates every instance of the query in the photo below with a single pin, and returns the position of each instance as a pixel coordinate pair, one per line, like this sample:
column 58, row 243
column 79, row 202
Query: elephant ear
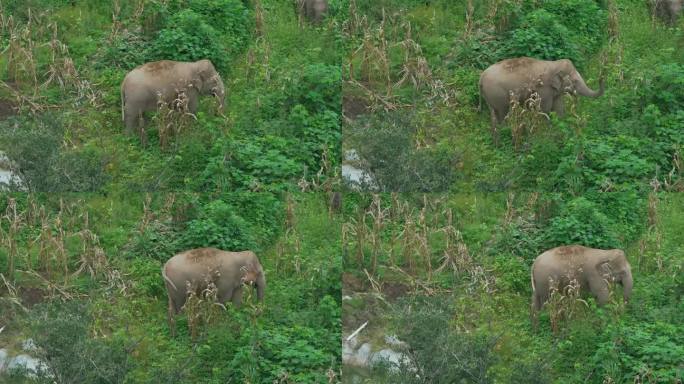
column 604, row 265
column 557, row 80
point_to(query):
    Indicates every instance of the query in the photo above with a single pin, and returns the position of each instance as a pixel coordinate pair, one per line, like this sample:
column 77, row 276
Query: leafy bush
column 581, row 222
column 555, row 29
column 541, row 36
column 145, row 275
column 666, row 88
column 292, row 351
column 189, row 39
column 158, row 241
column 218, row 225
column 251, row 163
column 386, row 143
column 61, row 331
column 619, row 159
column 202, row 29
column 126, row 50
column 513, row 272
column 441, row 354
column 35, row 146
column 535, row 372
column 653, row 350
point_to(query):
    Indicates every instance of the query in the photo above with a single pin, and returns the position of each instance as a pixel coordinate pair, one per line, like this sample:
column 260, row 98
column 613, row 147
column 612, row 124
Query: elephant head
column 615, row 267
column 253, row 275
column 210, row 83
column 564, row 78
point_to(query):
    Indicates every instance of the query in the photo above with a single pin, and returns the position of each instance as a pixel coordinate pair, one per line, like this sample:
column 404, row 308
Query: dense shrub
column 441, row 354
column 666, row 88
column 541, row 36
column 35, row 145
column 189, row 38
column 556, row 29
column 653, row 350
column 62, row 332
column 157, row 241
column 125, row 50
column 218, row 225
column 386, row 143
column 581, row 222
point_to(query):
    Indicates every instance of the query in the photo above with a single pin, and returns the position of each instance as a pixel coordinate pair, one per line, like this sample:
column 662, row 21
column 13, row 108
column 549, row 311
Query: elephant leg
column 131, row 120
column 547, row 104
column 193, row 104
column 237, row 297
column 535, row 306
column 495, row 133
column 172, row 311
column 600, row 290
column 226, row 296
column 559, row 106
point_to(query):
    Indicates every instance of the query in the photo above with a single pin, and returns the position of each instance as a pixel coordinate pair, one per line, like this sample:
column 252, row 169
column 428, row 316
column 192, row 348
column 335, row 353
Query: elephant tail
column 166, row 278
column 123, row 114
column 479, row 105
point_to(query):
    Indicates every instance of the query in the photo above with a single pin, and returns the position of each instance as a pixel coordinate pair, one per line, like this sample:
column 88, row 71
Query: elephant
column 228, row 271
column 144, row 86
column 312, row 10
column 520, row 77
column 667, row 10
column 589, row 266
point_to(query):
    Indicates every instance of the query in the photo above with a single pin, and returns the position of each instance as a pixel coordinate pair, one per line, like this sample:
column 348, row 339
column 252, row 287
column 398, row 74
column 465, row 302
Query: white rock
column 393, row 340
column 393, row 359
column 351, row 155
column 4, row 360
column 347, row 353
column 363, row 354
column 357, row 178
column 31, row 364
column 346, row 297
column 29, row 345
column 7, row 176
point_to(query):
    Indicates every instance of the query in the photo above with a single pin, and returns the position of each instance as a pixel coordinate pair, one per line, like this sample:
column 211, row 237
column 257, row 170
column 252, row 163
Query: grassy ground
column 430, row 124
column 64, row 68
column 458, row 292
column 113, row 311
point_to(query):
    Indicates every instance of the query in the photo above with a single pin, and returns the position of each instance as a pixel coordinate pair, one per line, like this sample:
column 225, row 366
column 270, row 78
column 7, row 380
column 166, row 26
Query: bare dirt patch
column 31, row 296
column 353, row 283
column 353, row 106
column 7, row 109
column 393, row 290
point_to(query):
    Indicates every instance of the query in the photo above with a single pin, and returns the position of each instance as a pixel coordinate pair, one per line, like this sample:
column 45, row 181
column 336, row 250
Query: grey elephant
column 589, row 266
column 144, row 86
column 523, row 76
column 228, row 271
column 313, row 10
column 667, row 10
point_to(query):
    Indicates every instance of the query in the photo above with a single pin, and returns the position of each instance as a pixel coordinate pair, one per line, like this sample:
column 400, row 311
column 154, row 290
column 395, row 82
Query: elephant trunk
column 221, row 97
column 627, row 283
column 582, row 88
column 261, row 286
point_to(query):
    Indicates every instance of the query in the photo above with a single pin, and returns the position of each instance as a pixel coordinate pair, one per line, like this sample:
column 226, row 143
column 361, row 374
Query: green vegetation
column 80, row 274
column 411, row 94
column 63, row 62
column 450, row 275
